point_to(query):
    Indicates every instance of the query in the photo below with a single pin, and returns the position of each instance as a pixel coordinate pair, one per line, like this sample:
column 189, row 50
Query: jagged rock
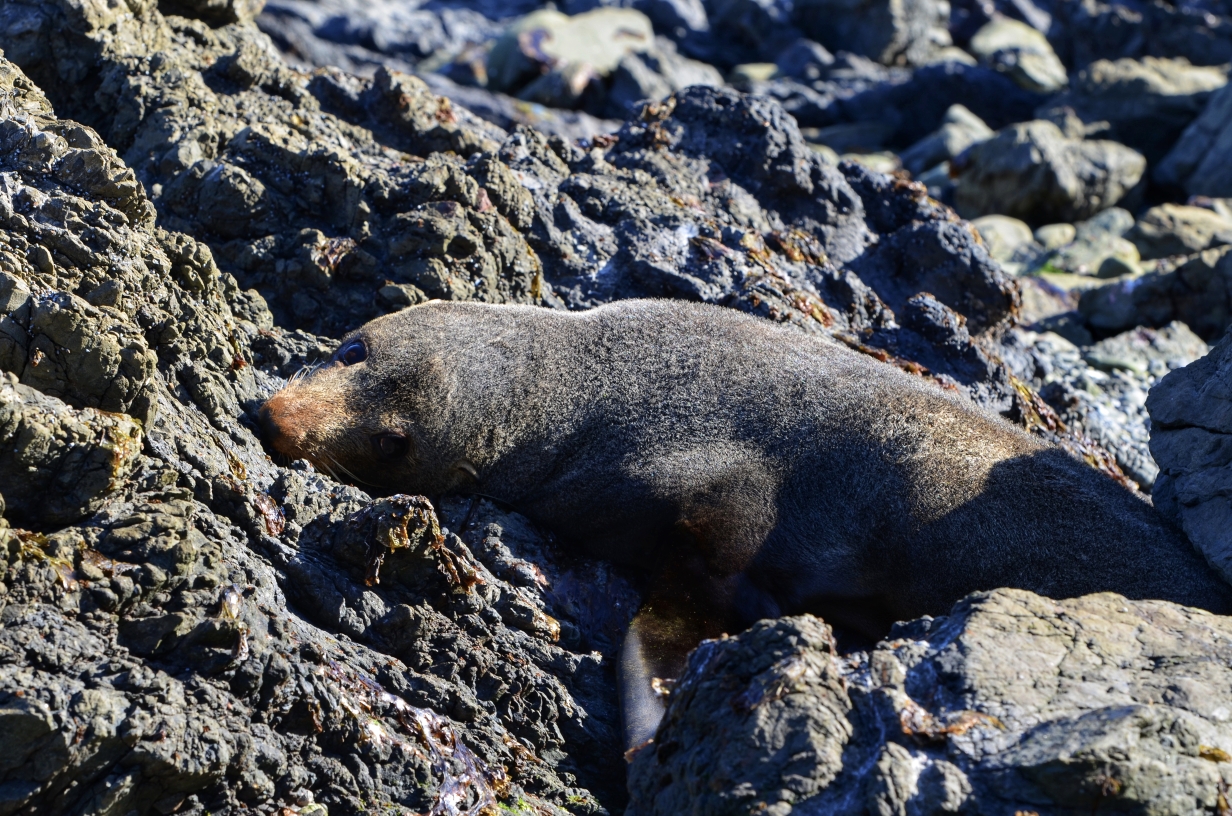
column 1012, row 702
column 507, row 112
column 226, row 632
column 1083, row 32
column 908, row 104
column 653, row 75
column 960, row 128
column 1196, row 290
column 173, row 671
column 1191, row 426
column 891, row 33
column 1099, row 247
column 1194, row 162
column 59, row 464
column 1033, row 172
column 1175, row 229
column 373, row 29
column 1020, row 51
column 1144, row 104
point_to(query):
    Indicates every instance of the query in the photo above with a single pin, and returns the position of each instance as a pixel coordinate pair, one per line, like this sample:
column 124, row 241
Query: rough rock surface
column 1034, row 172
column 1197, row 290
column 1191, row 439
column 1193, row 163
column 1100, row 388
column 1012, row 703
column 195, row 628
column 1144, row 104
column 1022, row 52
column 187, row 626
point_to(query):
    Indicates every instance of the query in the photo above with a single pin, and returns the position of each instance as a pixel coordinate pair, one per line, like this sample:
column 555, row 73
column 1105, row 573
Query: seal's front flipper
column 659, row 640
column 641, row 706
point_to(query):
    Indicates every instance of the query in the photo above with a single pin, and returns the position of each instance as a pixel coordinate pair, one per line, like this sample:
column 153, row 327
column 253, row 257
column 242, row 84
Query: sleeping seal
column 753, row 470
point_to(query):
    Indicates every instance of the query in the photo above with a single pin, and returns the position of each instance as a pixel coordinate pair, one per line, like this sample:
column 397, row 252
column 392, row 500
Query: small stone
column 1055, row 236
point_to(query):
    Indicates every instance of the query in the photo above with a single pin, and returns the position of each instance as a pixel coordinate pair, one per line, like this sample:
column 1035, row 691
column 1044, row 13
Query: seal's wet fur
column 755, row 471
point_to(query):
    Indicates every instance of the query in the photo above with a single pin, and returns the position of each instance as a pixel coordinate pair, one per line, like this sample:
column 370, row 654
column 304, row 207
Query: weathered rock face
column 1144, row 104
column 1193, row 162
column 191, row 625
column 1034, row 172
column 1084, row 31
column 1011, row 703
column 1020, row 51
column 204, row 631
column 1191, row 418
column 1196, row 290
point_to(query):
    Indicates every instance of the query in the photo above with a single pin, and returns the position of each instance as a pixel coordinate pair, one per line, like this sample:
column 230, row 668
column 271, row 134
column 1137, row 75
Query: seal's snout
column 288, row 421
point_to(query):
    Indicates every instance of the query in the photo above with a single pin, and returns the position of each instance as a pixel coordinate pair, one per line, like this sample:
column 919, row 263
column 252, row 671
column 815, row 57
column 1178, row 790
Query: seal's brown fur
column 755, row 470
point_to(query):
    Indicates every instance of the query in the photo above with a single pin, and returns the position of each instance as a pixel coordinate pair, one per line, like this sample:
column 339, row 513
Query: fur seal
column 755, row 471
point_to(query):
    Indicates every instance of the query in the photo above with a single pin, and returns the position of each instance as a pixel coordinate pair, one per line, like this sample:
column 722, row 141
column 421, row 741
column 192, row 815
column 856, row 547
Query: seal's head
column 373, row 412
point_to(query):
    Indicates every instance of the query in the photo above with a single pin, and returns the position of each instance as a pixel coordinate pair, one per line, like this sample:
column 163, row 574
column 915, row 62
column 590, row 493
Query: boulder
column 682, row 20
column 960, row 128
column 1195, row 163
column 1196, row 290
column 346, row 33
column 1191, row 437
column 1055, row 236
column 1084, row 32
column 1099, row 247
column 1020, row 51
column 1034, row 172
column 889, row 32
column 653, row 75
column 1175, row 229
column 1010, row 703
column 1003, row 235
column 804, row 60
column 1143, row 103
column 747, row 31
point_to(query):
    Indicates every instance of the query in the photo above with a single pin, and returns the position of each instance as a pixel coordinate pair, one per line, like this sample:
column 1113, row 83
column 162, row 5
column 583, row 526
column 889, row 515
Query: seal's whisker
column 339, row 465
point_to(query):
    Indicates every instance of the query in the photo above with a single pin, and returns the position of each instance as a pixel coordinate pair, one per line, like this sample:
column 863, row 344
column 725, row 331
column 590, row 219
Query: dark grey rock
column 1022, row 52
column 890, row 33
column 1033, row 172
column 1084, row 31
column 1193, row 163
column 1175, row 229
column 1197, row 290
column 980, row 711
column 1144, row 103
column 1191, row 416
column 960, row 128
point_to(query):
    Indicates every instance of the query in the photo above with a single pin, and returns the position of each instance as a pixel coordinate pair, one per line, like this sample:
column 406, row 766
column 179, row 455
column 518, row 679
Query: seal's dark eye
column 353, row 352
column 390, row 446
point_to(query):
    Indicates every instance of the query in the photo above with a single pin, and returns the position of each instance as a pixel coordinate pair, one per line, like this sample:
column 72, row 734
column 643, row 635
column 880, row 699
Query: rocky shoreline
column 190, row 215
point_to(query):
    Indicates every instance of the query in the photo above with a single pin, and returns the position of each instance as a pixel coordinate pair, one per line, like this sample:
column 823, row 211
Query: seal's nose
column 276, row 418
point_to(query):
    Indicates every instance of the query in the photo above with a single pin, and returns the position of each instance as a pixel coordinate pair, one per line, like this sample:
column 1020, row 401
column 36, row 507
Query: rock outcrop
column 190, row 626
column 1010, row 703
column 1191, row 428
